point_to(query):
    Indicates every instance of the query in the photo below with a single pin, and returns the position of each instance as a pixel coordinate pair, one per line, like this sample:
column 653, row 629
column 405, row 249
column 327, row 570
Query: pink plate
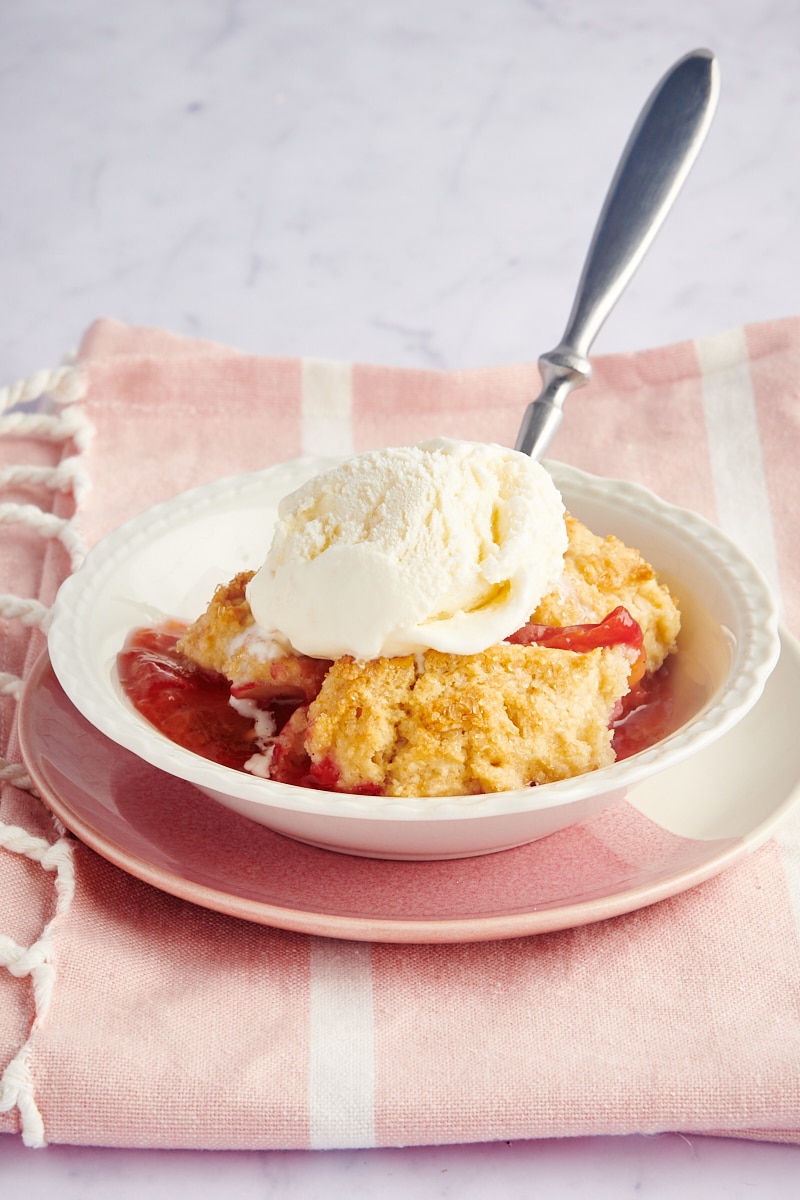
column 167, row 833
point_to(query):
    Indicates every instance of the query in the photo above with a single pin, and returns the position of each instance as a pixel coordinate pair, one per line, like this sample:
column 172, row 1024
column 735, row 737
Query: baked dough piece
column 602, row 573
column 226, row 639
column 449, row 724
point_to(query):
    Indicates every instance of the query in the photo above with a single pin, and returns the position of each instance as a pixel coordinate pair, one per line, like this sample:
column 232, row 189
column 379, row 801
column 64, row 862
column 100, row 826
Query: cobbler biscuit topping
column 429, row 622
column 556, row 699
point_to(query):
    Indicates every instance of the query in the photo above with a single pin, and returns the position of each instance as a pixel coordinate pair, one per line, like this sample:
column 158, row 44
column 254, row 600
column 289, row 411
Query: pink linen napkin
column 131, row 1018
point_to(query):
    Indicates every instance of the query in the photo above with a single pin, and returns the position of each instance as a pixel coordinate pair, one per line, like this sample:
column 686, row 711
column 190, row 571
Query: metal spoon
column 657, row 158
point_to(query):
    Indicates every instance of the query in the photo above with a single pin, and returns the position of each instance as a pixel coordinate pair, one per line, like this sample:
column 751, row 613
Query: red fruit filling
column 191, row 705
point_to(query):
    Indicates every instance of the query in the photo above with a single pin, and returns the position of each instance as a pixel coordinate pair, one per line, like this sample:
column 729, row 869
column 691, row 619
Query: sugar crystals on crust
column 460, row 724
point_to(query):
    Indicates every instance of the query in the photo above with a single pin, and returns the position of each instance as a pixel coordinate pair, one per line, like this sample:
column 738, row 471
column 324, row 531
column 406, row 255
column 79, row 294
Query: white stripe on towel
column 787, row 838
column 341, row 1084
column 341, row 1088
column 743, row 503
column 327, row 425
column 737, row 465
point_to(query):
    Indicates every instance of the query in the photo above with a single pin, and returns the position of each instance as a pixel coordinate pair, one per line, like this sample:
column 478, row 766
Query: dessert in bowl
column 166, row 564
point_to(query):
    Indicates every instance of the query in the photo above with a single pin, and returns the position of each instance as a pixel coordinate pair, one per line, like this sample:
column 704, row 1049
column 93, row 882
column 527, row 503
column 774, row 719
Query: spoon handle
column 657, row 158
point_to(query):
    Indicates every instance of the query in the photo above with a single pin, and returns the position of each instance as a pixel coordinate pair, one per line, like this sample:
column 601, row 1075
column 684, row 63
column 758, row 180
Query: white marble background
column 402, row 181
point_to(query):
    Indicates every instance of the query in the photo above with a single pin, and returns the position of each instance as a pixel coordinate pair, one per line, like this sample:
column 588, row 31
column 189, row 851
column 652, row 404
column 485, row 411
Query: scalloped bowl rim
column 96, row 695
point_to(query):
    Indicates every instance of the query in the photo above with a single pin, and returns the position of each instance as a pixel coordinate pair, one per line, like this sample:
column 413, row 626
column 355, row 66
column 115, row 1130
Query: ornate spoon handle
column 657, row 158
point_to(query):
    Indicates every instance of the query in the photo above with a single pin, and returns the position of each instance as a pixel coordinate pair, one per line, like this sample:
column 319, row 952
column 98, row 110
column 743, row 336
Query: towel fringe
column 45, row 407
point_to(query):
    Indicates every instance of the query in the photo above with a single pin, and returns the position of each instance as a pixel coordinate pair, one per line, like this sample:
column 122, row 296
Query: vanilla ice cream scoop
column 446, row 545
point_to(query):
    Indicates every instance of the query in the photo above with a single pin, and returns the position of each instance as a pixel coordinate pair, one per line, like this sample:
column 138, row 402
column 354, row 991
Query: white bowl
column 168, row 561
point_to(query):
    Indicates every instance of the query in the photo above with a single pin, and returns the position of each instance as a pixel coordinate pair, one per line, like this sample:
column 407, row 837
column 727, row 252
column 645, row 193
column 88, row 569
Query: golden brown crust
column 225, row 638
column 216, row 640
column 602, row 573
column 489, row 722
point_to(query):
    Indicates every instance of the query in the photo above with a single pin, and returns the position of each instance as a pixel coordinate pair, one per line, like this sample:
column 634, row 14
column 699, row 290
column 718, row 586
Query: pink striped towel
column 129, row 1017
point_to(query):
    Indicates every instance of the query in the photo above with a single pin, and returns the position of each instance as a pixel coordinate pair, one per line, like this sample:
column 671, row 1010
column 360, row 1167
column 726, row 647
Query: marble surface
column 629, row 1168
column 398, row 182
